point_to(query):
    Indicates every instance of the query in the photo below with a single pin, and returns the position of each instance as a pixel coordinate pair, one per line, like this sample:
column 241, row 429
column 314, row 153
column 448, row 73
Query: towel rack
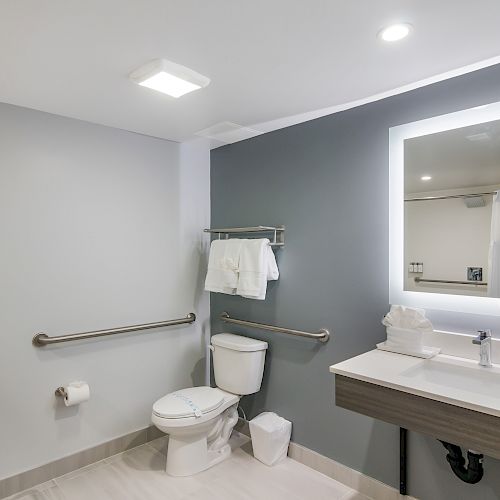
column 451, row 282
column 322, row 335
column 278, row 232
column 41, row 339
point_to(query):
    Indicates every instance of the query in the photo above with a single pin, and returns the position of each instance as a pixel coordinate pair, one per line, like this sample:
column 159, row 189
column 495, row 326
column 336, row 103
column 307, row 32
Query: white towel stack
column 223, row 266
column 405, row 329
column 241, row 266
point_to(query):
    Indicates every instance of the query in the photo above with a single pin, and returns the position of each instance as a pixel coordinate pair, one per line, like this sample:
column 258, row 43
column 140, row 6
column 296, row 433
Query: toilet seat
column 185, row 403
column 209, row 397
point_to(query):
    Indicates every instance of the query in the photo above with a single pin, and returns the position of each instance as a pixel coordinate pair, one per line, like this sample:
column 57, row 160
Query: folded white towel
column 257, row 266
column 404, row 339
column 407, row 318
column 223, row 266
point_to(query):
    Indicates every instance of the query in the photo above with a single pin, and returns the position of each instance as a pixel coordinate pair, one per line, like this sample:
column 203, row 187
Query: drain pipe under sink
column 474, row 471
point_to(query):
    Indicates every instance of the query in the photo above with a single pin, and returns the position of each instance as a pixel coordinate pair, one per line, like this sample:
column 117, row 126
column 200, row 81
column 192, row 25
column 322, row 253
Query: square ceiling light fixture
column 169, row 78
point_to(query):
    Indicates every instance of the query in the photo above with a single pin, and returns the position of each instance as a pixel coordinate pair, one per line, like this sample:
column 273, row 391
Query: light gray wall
column 327, row 181
column 100, row 228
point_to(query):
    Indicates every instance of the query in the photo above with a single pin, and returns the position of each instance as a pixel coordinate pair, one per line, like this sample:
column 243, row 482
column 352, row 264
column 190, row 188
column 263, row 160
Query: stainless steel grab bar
column 451, row 282
column 322, row 335
column 41, row 339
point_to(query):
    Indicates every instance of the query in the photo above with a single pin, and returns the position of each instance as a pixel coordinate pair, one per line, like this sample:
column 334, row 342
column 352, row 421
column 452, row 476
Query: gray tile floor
column 139, row 474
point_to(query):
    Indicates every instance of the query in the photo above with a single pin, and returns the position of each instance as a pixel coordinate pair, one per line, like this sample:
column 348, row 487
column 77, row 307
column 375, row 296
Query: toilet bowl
column 198, row 432
column 199, row 420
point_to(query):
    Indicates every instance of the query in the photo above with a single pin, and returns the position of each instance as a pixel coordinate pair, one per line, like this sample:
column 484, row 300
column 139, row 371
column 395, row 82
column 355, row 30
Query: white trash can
column 270, row 437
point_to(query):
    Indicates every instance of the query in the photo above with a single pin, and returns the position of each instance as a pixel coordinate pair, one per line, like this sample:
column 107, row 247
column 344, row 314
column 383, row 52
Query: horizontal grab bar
column 322, row 335
column 41, row 339
column 449, row 197
column 451, row 282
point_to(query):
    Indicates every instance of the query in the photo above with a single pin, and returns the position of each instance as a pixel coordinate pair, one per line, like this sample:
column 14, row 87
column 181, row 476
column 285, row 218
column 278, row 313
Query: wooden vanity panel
column 468, row 428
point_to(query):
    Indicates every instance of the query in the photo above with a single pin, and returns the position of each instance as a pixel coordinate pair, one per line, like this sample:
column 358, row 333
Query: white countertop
column 449, row 379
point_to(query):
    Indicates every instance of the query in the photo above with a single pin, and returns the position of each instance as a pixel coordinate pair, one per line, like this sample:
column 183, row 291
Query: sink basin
column 473, row 378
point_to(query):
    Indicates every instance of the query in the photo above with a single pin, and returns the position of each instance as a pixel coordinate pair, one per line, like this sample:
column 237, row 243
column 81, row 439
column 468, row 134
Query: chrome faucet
column 483, row 340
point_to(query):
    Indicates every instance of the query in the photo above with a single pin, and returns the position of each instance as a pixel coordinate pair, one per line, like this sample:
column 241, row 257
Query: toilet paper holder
column 74, row 393
column 61, row 392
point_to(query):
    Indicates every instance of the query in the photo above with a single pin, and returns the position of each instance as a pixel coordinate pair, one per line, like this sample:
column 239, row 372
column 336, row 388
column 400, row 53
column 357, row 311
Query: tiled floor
column 139, row 474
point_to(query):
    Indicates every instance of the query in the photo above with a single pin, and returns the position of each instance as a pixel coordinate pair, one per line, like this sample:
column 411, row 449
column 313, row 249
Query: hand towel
column 257, row 266
column 273, row 272
column 223, row 266
column 407, row 318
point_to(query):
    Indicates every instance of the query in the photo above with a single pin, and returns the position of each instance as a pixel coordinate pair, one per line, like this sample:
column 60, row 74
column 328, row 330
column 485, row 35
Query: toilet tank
column 238, row 363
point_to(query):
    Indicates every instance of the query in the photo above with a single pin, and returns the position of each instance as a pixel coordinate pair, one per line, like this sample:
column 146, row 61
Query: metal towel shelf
column 322, row 335
column 41, row 339
column 451, row 282
column 278, row 232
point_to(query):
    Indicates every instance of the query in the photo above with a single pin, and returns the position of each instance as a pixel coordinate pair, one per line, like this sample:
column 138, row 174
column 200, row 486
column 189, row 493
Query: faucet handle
column 482, row 335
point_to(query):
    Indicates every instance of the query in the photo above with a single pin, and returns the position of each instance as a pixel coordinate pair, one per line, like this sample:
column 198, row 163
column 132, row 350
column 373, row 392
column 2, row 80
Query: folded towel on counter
column 223, row 266
column 257, row 267
column 404, row 338
column 406, row 327
column 407, row 318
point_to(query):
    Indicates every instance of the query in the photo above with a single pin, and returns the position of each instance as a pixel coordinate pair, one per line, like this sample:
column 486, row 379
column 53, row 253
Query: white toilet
column 199, row 420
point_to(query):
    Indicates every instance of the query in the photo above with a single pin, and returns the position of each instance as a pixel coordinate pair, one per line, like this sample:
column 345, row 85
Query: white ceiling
column 453, row 160
column 266, row 59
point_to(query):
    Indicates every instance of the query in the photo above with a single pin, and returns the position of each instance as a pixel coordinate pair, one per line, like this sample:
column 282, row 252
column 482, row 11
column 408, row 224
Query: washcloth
column 407, row 318
column 257, row 267
column 223, row 266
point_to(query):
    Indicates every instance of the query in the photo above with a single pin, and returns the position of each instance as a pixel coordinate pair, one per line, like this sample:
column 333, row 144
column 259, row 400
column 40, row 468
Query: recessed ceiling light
column 395, row 32
column 426, row 178
column 169, row 78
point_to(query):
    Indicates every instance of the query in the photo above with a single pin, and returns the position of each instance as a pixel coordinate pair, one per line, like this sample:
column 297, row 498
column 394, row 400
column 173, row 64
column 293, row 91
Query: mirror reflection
column 452, row 211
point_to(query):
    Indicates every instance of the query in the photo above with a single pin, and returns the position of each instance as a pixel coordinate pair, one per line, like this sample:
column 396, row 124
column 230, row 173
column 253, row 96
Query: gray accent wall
column 327, row 181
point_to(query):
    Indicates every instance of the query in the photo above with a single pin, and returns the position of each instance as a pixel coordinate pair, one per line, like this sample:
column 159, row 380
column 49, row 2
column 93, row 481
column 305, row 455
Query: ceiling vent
column 227, row 132
column 474, row 202
column 482, row 137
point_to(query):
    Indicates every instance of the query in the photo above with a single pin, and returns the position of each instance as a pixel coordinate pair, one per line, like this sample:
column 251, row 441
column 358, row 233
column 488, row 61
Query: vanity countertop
column 449, row 379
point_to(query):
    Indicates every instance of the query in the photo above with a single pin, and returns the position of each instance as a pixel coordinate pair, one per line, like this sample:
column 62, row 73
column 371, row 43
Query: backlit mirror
column 451, row 218
column 444, row 212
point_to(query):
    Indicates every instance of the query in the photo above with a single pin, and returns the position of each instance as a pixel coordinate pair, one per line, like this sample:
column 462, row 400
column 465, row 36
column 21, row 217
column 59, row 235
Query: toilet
column 199, row 420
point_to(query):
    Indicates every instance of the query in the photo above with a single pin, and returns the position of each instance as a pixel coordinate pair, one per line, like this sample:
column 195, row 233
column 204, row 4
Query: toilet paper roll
column 76, row 393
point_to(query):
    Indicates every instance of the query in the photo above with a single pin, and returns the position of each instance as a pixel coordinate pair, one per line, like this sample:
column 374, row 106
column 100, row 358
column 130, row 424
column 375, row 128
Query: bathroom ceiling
column 267, row 60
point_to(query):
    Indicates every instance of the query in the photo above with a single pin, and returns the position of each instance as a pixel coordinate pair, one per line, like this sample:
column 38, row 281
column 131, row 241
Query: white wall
column 447, row 237
column 99, row 228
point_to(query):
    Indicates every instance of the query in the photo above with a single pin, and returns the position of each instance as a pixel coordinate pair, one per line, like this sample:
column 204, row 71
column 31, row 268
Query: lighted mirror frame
column 397, row 136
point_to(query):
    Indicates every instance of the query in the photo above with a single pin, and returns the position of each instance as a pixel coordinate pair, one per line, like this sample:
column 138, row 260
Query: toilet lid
column 192, row 402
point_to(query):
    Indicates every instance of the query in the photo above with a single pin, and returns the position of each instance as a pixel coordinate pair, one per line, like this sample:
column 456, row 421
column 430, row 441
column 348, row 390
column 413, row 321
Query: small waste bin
column 270, row 437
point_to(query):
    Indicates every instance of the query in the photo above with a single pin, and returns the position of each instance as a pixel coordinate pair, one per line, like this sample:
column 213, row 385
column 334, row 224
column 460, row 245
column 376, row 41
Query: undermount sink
column 473, row 378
